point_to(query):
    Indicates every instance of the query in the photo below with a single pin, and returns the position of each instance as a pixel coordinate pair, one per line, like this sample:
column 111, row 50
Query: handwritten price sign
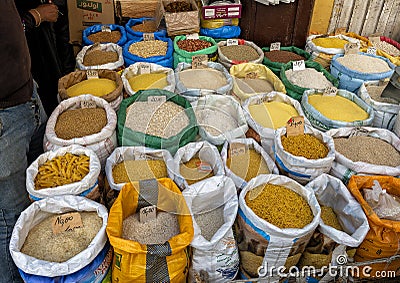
column 275, row 46
column 299, row 65
column 88, row 104
column 330, row 91
column 66, row 222
column 295, row 126
column 148, row 36
column 230, row 42
column 92, row 74
column 199, row 61
column 236, row 149
column 157, row 99
column 351, row 48
column 147, row 213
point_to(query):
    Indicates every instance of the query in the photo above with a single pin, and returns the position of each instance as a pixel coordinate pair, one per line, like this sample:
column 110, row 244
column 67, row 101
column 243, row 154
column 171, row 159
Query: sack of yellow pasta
column 72, row 170
column 150, row 228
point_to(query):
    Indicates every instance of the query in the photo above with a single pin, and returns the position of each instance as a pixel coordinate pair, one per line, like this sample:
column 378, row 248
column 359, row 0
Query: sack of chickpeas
column 101, row 83
column 306, row 156
column 277, row 217
column 100, row 56
column 62, row 239
column 71, row 170
column 150, row 229
column 196, row 161
column 244, row 159
column 85, row 120
column 213, row 204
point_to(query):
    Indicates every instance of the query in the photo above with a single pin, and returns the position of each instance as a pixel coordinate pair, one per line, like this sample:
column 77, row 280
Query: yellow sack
column 382, row 240
column 213, row 24
column 135, row 262
column 252, row 70
column 364, row 42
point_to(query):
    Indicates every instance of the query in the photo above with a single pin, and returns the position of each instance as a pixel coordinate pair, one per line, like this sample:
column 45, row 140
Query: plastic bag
column 383, row 204
column 112, row 47
column 223, row 32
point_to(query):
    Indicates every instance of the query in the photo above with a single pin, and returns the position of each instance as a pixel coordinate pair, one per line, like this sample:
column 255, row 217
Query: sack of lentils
column 345, row 109
column 135, row 28
column 306, row 156
column 243, row 52
column 220, row 118
column 85, row 120
column 100, row 56
column 104, row 34
column 323, row 47
column 195, row 162
column 141, row 76
column 213, row 204
column 71, row 170
column 77, row 255
column 245, row 159
column 276, row 219
column 154, row 250
column 314, row 76
column 101, row 83
column 136, row 163
column 251, row 79
column 194, row 83
column 158, row 51
column 365, row 151
column 185, row 49
column 386, row 109
column 157, row 119
column 387, row 48
column 267, row 112
column 274, row 60
column 352, row 70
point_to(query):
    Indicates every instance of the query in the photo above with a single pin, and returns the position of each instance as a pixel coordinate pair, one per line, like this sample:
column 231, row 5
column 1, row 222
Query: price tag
column 374, row 39
column 148, row 36
column 92, row 74
column 330, row 91
column 351, row 48
column 251, row 75
column 105, row 29
column 299, row 65
column 236, row 149
column 231, row 41
column 199, row 61
column 275, row 46
column 144, row 69
column 203, row 166
column 371, row 50
column 192, row 36
column 157, row 99
column 147, row 213
column 139, row 156
column 66, row 222
column 295, row 126
column 88, row 104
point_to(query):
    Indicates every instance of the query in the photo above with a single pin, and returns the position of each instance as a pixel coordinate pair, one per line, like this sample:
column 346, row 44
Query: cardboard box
column 85, row 13
column 137, row 8
column 222, row 11
column 182, row 22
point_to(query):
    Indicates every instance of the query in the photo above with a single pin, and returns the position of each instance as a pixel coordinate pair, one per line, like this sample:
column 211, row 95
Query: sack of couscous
column 345, row 109
column 244, row 159
column 81, row 255
column 306, row 156
column 100, row 56
column 213, row 204
column 196, row 161
column 105, row 84
column 152, row 249
column 365, row 151
column 97, row 126
column 141, row 76
column 276, row 219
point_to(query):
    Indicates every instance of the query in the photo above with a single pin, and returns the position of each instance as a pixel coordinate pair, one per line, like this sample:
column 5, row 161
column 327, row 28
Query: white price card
column 231, row 41
column 351, row 48
column 236, row 149
column 144, row 69
column 148, row 36
column 105, row 29
column 199, row 61
column 299, row 65
column 88, row 104
column 92, row 74
column 192, row 36
column 66, row 222
column 371, row 50
column 330, row 91
column 147, row 213
column 157, row 99
column 275, row 46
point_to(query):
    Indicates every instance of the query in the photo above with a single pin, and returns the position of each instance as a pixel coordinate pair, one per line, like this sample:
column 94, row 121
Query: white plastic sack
column 343, row 168
column 83, row 187
column 42, row 209
column 278, row 244
column 135, row 153
column 227, row 106
column 315, row 50
column 385, row 113
column 227, row 63
column 300, row 168
column 331, row 192
column 205, row 151
column 250, row 144
column 134, row 69
column 104, row 47
column 268, row 134
column 219, row 257
column 102, row 143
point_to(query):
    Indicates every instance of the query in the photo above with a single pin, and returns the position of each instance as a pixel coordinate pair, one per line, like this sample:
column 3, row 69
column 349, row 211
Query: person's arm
column 34, row 17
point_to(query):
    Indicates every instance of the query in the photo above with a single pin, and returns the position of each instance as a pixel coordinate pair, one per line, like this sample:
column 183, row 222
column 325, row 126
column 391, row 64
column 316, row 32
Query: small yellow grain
column 96, row 87
column 272, row 114
column 248, row 165
column 306, row 145
column 192, row 173
column 147, row 81
column 136, row 170
column 329, row 217
column 330, row 42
